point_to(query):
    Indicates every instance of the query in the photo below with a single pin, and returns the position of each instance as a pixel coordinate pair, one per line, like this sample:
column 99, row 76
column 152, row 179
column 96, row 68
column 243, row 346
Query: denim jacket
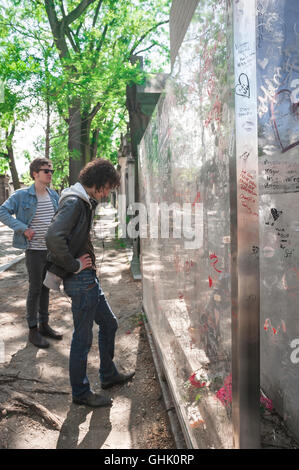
column 23, row 204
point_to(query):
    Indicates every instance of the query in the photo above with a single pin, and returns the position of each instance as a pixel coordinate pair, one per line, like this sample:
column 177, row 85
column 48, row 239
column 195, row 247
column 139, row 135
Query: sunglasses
column 46, row 170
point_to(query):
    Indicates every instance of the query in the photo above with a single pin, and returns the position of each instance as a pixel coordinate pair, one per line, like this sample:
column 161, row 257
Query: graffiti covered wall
column 184, row 164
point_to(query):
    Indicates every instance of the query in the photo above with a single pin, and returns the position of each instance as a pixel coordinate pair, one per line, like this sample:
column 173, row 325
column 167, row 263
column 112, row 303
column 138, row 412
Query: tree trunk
column 94, row 143
column 77, row 160
column 47, row 149
column 13, row 168
column 85, row 138
column 12, row 163
column 61, row 34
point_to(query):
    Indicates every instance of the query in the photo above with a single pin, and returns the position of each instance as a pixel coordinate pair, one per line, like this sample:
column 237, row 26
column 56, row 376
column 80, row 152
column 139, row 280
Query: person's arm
column 8, row 208
column 58, row 234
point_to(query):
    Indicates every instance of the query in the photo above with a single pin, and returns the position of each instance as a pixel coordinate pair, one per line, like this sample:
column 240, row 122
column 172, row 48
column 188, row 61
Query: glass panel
column 184, row 159
column 278, row 114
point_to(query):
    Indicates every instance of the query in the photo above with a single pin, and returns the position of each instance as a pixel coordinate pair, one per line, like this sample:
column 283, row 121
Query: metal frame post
column 245, row 234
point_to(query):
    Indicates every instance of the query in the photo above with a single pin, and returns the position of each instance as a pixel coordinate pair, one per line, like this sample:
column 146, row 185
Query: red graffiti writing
column 248, row 192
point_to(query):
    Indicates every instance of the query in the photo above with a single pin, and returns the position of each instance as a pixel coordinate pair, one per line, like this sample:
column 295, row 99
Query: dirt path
column 35, row 401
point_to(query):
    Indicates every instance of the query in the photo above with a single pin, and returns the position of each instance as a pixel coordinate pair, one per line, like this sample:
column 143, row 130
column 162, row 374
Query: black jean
column 38, row 295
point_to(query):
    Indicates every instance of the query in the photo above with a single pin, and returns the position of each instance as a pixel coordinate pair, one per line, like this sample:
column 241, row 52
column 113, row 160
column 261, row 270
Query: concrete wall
column 180, row 16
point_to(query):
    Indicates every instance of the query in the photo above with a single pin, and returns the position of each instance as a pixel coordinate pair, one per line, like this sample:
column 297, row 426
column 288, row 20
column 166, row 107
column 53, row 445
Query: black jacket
column 68, row 235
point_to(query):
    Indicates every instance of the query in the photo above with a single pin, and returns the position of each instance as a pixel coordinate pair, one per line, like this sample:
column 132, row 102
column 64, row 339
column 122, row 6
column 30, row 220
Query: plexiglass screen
column 185, row 252
column 278, row 118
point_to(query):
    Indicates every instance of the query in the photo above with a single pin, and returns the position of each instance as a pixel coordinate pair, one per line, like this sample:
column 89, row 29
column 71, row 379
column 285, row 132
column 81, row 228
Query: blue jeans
column 88, row 305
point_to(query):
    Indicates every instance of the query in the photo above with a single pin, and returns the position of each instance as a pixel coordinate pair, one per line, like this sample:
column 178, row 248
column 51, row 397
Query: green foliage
column 90, row 65
column 60, row 156
column 26, row 179
column 16, row 69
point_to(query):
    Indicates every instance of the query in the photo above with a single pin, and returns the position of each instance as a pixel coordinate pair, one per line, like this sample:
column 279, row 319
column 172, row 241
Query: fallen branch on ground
column 49, row 391
column 18, row 399
column 12, row 377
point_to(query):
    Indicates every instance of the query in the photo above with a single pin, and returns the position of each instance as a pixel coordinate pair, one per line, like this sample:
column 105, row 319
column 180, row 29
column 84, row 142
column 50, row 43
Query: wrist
column 81, row 266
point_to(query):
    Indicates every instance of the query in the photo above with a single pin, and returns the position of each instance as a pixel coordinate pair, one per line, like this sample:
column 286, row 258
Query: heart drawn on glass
column 243, row 88
column 285, row 120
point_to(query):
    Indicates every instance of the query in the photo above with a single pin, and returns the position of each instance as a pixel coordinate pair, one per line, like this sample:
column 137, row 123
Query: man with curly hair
column 72, row 259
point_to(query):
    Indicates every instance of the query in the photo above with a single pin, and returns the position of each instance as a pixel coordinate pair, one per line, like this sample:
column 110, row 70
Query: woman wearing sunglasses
column 34, row 208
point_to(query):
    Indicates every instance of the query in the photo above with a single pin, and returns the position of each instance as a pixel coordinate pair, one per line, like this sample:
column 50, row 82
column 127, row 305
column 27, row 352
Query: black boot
column 46, row 330
column 93, row 400
column 117, row 379
column 36, row 338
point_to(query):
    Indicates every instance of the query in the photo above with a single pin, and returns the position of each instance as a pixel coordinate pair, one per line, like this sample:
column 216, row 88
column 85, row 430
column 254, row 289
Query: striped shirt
column 41, row 221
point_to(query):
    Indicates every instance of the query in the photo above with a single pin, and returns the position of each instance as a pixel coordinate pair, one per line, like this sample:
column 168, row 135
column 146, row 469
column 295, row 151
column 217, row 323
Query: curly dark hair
column 37, row 163
column 99, row 172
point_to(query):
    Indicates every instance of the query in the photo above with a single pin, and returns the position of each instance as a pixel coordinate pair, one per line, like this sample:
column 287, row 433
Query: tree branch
column 97, row 13
column 72, row 39
column 91, row 46
column 79, row 27
column 23, row 31
column 69, row 33
column 62, row 8
column 77, row 12
column 50, row 9
column 9, row 134
column 146, row 34
column 57, row 28
column 147, row 49
column 4, row 155
column 99, row 47
column 94, row 111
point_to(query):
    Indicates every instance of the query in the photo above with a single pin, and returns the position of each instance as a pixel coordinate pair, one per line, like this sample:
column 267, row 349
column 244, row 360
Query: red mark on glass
column 197, row 199
column 215, row 257
column 268, row 325
column 283, row 325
